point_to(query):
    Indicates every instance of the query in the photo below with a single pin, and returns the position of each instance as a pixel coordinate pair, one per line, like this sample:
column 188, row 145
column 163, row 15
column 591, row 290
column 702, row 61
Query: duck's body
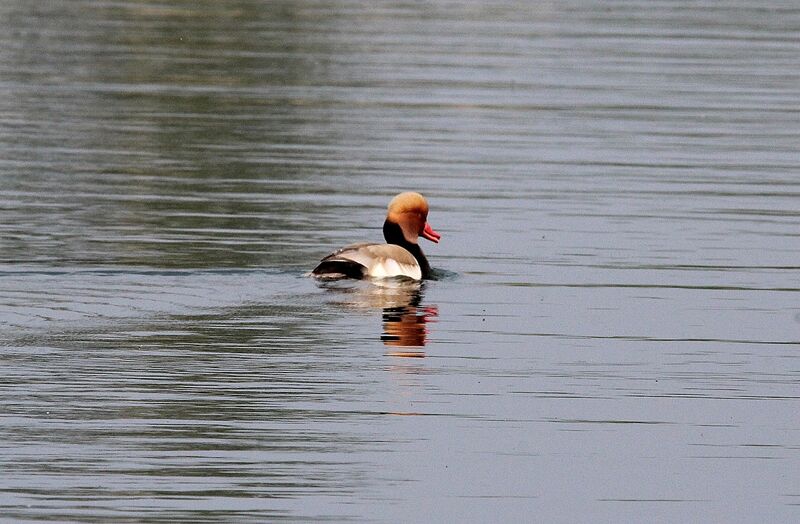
column 401, row 256
column 370, row 261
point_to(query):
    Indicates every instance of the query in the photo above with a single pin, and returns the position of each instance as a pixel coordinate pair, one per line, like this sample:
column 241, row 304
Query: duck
column 400, row 257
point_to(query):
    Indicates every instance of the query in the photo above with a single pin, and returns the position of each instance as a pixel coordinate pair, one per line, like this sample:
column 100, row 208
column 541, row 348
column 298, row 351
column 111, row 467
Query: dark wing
column 341, row 264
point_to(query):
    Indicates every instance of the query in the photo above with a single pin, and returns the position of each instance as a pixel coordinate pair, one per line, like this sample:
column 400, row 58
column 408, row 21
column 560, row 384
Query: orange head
column 410, row 211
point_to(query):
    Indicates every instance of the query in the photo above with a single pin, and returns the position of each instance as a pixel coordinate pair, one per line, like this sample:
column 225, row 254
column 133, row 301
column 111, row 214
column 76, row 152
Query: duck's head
column 410, row 212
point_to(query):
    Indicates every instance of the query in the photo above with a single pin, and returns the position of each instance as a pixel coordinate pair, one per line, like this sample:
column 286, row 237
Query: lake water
column 615, row 331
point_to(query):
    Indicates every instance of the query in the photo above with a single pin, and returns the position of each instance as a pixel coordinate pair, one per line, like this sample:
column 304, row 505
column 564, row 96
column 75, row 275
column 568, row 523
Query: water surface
column 615, row 332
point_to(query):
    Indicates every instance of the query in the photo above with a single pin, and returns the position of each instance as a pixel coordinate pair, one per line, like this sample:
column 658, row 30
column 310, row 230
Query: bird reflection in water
column 406, row 327
column 405, row 319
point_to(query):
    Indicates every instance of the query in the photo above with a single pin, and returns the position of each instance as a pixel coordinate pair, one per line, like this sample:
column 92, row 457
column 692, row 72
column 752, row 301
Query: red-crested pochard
column 401, row 256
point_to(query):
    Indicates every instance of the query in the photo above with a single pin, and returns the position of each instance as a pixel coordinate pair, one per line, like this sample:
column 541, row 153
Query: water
column 615, row 333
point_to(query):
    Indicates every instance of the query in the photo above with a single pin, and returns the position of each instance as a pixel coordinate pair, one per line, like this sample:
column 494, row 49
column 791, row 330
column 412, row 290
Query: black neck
column 394, row 235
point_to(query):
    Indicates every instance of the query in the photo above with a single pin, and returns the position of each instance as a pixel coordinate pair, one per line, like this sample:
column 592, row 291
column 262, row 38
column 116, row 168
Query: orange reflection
column 404, row 320
column 407, row 327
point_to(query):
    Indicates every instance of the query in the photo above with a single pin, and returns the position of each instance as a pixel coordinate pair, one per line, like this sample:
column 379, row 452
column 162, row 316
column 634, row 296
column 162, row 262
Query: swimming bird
column 401, row 256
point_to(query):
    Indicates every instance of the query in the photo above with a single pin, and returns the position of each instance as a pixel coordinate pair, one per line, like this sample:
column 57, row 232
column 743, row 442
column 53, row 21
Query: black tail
column 333, row 269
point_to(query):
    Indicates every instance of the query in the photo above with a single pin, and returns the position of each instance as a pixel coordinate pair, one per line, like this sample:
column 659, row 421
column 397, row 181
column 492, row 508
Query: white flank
column 388, row 268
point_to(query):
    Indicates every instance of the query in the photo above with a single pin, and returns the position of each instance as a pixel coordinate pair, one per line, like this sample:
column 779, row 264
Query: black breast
column 393, row 234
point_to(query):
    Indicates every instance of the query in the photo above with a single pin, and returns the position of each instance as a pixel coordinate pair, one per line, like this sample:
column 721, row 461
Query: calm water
column 615, row 335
